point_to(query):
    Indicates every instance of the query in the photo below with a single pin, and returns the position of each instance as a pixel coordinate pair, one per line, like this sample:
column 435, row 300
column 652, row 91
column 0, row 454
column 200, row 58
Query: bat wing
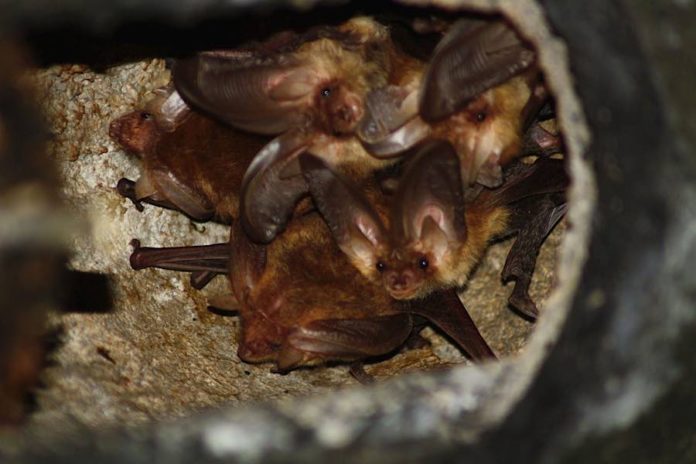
column 248, row 262
column 474, row 56
column 181, row 196
column 347, row 339
column 545, row 176
column 213, row 258
column 446, row 311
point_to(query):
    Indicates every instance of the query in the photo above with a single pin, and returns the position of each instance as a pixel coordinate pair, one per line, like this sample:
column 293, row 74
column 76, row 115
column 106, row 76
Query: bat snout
column 400, row 284
column 134, row 131
column 346, row 112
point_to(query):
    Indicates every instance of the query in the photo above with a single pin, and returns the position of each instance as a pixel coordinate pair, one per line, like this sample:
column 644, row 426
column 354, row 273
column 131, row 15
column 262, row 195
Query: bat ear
column 430, row 203
column 391, row 124
column 474, row 56
column 355, row 225
column 261, row 96
column 271, row 187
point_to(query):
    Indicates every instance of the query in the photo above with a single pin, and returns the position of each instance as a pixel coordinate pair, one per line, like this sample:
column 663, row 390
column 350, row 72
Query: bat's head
column 409, row 272
column 345, row 68
column 316, row 80
column 427, row 224
column 136, row 131
column 487, row 132
column 474, row 95
column 338, row 108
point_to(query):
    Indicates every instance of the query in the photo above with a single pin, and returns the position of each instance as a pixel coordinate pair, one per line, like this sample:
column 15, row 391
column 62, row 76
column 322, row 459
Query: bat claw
column 357, row 370
column 126, row 188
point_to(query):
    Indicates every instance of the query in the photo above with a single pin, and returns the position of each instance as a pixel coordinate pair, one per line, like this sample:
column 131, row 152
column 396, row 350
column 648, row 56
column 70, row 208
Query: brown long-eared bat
column 191, row 162
column 481, row 91
column 302, row 303
column 432, row 238
column 300, row 300
column 309, row 90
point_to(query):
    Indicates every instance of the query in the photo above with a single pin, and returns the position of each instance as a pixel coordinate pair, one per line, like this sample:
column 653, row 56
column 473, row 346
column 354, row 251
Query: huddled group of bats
column 362, row 176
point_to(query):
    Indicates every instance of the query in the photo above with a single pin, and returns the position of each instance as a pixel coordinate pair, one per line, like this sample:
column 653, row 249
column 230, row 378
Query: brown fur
column 136, row 132
column 499, row 133
column 393, row 260
column 306, row 279
column 345, row 73
column 209, row 157
column 484, row 224
column 199, row 153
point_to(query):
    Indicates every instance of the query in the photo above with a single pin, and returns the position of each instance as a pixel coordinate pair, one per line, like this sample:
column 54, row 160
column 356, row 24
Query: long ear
column 272, row 186
column 473, row 57
column 430, row 203
column 265, row 96
column 355, row 225
column 391, row 125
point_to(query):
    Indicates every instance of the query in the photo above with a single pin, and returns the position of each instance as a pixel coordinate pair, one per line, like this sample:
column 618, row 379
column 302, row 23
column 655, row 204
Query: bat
column 306, row 89
column 481, row 91
column 430, row 238
column 302, row 303
column 190, row 162
column 300, row 300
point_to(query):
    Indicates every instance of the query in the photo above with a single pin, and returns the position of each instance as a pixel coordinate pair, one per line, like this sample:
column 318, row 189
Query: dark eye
column 146, row 116
column 423, row 263
column 326, row 92
column 481, row 116
column 380, row 266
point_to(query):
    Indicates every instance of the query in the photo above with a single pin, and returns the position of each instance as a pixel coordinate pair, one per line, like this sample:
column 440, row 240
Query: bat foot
column 126, row 188
column 289, row 358
column 519, row 299
column 523, row 303
column 357, row 370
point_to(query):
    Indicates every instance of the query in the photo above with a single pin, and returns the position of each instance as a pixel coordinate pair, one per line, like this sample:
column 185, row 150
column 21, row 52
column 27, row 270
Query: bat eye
column 326, row 92
column 423, row 263
column 481, row 116
column 145, row 116
column 381, row 266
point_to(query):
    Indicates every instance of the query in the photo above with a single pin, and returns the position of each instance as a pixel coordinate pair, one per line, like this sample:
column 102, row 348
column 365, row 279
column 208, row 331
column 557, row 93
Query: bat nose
column 400, row 281
column 346, row 114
